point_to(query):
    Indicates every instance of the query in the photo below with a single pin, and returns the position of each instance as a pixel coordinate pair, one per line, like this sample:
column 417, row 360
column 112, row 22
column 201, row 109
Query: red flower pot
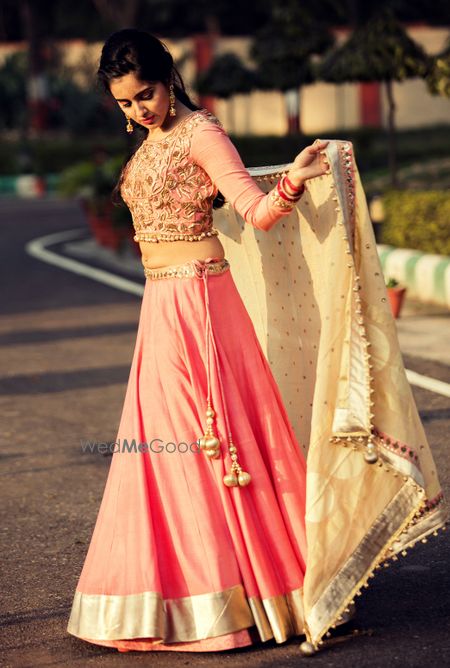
column 112, row 238
column 103, row 226
column 100, row 227
column 396, row 296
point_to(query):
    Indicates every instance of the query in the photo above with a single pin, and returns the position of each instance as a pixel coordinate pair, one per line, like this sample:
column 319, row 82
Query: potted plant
column 396, row 295
column 92, row 182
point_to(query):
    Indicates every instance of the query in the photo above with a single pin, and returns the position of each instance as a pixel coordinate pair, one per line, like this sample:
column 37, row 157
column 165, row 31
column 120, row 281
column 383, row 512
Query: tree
column 39, row 54
column 283, row 51
column 379, row 50
column 13, row 93
column 224, row 78
column 438, row 77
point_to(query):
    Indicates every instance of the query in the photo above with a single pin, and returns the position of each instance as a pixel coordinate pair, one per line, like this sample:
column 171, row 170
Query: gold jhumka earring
column 172, row 110
column 129, row 124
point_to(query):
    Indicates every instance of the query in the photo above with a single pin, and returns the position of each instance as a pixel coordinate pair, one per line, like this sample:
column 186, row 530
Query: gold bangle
column 280, row 202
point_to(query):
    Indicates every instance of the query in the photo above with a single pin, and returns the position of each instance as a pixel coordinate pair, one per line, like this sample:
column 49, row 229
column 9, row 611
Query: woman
column 196, row 538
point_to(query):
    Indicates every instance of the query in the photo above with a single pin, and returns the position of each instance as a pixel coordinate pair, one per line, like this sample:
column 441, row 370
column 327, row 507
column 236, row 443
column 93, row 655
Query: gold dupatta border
column 353, row 413
column 365, row 560
column 185, row 619
column 373, row 549
column 426, row 522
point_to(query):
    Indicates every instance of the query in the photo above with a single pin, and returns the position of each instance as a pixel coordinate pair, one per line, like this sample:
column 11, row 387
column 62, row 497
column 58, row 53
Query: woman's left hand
column 309, row 163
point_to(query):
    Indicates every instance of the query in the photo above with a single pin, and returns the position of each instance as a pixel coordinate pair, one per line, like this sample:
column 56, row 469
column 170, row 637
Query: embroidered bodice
column 169, row 185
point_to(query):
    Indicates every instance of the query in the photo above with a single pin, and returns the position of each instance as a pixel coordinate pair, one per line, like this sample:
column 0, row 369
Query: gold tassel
column 209, row 442
column 236, row 476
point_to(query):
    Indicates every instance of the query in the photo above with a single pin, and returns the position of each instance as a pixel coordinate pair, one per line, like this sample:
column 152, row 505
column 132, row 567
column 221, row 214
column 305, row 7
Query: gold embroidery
column 186, row 270
column 151, row 236
column 288, row 201
column 170, row 197
column 279, row 201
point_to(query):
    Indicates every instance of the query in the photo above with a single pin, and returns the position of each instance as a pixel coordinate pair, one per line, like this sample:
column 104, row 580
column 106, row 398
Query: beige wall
column 327, row 106
column 415, row 106
column 323, row 106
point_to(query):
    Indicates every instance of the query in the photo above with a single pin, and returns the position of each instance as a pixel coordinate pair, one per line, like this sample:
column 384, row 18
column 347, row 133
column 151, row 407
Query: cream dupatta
column 315, row 291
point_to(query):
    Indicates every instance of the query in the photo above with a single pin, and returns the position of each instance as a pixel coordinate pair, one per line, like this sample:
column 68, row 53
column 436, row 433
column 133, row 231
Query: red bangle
column 283, row 194
column 292, row 187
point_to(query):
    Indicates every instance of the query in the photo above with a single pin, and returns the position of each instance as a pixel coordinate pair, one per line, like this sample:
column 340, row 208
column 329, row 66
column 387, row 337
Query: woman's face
column 146, row 102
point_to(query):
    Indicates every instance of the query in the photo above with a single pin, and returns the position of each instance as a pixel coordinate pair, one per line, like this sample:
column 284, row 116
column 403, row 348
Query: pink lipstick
column 148, row 121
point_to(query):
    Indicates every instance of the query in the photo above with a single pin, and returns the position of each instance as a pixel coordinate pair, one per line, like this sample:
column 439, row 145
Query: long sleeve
column 212, row 149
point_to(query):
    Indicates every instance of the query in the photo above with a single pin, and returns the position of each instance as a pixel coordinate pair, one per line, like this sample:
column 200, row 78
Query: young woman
column 201, row 538
column 195, row 534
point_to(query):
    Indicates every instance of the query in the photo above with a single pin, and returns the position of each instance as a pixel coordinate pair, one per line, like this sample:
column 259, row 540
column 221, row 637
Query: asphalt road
column 66, row 348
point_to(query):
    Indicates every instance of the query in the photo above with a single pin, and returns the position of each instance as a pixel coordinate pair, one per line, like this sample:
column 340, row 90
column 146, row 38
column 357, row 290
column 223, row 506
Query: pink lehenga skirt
column 178, row 559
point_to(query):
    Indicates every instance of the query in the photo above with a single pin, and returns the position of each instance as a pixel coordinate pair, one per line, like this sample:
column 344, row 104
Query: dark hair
column 137, row 51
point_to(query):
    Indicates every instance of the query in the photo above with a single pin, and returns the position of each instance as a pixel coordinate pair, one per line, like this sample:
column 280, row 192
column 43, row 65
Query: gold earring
column 129, row 124
column 172, row 110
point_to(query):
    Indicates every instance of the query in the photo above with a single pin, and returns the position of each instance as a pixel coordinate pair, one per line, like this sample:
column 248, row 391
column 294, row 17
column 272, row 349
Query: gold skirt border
column 186, row 619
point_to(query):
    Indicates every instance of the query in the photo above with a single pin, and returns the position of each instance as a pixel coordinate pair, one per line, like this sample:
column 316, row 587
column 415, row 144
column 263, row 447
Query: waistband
column 189, row 269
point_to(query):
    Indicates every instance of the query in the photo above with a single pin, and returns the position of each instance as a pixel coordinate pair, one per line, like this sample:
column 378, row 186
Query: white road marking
column 37, row 248
column 431, row 384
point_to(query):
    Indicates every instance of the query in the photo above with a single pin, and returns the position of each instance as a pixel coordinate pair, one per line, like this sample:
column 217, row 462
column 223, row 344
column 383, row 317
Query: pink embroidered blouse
column 169, row 185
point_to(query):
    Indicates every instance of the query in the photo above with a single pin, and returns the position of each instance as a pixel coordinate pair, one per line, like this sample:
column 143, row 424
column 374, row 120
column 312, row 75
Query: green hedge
column 370, row 144
column 418, row 220
column 51, row 155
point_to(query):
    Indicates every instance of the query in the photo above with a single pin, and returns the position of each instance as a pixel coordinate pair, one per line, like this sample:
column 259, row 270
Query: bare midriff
column 165, row 253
